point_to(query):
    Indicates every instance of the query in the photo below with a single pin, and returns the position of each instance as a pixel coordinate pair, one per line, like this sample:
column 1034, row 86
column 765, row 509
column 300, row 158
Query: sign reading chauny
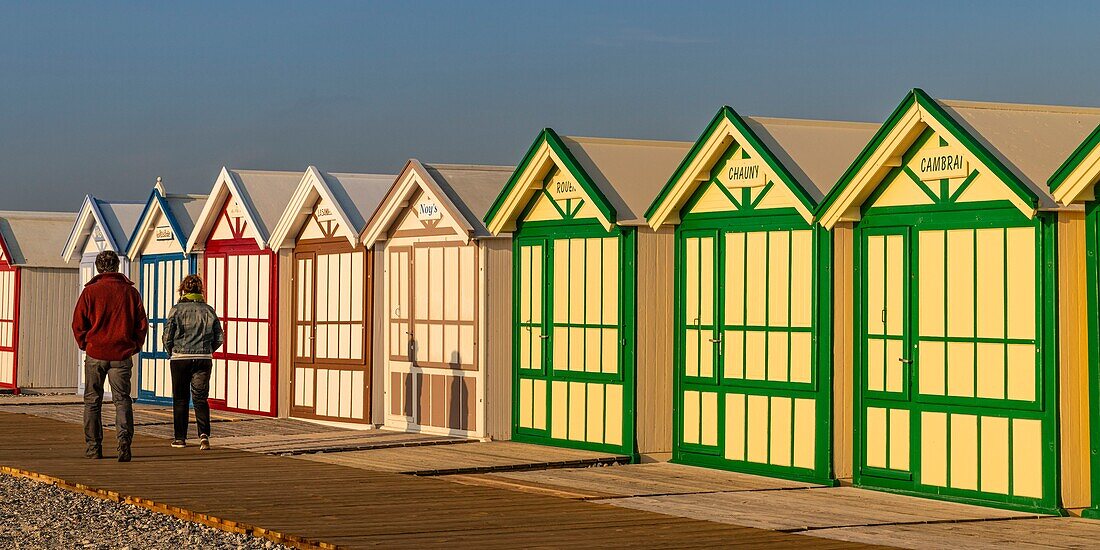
column 742, row 172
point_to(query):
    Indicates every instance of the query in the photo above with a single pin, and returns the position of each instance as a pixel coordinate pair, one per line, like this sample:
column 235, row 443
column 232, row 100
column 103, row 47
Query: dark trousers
column 118, row 373
column 190, row 381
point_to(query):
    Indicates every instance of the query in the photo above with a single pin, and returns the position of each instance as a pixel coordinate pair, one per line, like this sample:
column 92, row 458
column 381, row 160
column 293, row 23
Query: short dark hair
column 106, row 262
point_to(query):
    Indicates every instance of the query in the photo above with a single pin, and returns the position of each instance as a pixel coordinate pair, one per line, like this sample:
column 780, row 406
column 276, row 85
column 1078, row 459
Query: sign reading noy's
column 942, row 164
column 562, row 186
column 741, row 172
column 163, row 233
column 427, row 210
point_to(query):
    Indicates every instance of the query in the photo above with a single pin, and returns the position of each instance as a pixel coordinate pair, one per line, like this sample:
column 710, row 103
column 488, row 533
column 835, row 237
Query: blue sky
column 103, row 97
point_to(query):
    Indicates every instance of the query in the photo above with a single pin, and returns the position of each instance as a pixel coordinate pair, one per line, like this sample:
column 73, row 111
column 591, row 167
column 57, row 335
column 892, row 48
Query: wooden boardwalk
column 310, row 503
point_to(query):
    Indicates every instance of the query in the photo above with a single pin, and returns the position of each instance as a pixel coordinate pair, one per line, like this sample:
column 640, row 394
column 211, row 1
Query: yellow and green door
column 955, row 344
column 751, row 355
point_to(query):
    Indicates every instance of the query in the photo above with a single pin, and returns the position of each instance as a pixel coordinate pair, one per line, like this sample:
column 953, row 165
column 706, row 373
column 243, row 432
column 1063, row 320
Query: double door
column 9, row 334
column 572, row 380
column 951, row 374
column 748, row 391
column 331, row 378
column 159, row 279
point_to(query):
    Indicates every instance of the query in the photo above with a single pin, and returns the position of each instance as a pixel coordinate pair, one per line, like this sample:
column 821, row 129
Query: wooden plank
column 1045, row 533
column 1073, row 375
column 307, row 503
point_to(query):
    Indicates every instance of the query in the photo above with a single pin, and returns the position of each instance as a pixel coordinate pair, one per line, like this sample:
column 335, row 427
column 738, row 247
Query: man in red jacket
column 109, row 324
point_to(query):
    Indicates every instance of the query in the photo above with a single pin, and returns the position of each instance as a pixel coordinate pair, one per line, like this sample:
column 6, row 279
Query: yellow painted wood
column 902, row 191
column 876, row 290
column 801, row 357
column 542, row 210
column 559, row 409
column 964, row 451
column 931, row 283
column 931, row 375
column 989, row 247
column 994, row 454
column 781, row 418
column 708, row 419
column 899, row 439
column 526, row 402
column 713, row 200
column 960, row 287
column 691, row 417
column 757, row 426
column 1073, row 376
column 960, row 369
column 595, row 413
column 1027, row 466
column 755, row 281
column 735, row 279
column 991, row 371
column 805, row 432
column 614, row 407
column 1021, row 282
column 779, row 196
column 577, row 410
column 539, row 406
column 754, row 355
column 777, row 356
column 1021, row 372
column 875, row 432
column 895, row 372
column 779, row 287
column 735, row 427
column 933, row 454
column 895, row 290
column 734, row 342
column 801, row 278
column 876, row 369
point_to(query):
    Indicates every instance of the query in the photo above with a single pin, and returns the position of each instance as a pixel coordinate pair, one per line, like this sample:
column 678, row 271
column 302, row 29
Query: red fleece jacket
column 109, row 321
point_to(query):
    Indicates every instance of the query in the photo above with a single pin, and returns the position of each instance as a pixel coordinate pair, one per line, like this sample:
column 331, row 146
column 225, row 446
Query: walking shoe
column 179, row 443
column 124, row 453
column 204, row 443
column 93, row 451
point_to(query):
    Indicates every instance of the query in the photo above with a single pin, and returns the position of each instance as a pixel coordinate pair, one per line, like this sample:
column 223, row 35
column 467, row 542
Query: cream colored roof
column 185, row 210
column 471, row 188
column 1031, row 140
column 33, row 238
column 629, row 172
column 815, row 152
column 269, row 192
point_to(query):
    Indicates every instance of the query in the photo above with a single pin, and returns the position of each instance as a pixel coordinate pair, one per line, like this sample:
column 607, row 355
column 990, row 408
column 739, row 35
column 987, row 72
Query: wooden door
column 9, row 323
column 331, row 378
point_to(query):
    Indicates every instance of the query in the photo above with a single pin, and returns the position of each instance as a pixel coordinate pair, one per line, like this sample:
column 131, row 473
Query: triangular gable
column 157, row 204
column 414, row 179
column 545, row 154
column 310, row 190
column 916, row 113
column 1076, row 178
column 89, row 218
column 225, row 187
column 725, row 129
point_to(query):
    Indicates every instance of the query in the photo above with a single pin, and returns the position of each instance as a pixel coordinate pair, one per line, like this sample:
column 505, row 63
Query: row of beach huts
column 910, row 306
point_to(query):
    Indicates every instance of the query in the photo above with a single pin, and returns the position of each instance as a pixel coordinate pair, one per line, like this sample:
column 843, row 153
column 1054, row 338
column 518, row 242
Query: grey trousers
column 118, row 373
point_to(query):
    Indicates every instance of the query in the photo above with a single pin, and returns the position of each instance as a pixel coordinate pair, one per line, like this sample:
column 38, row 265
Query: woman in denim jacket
column 191, row 334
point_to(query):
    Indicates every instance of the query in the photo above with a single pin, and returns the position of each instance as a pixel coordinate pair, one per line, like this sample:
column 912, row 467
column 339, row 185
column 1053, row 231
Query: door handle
column 906, row 361
column 544, row 336
column 715, row 340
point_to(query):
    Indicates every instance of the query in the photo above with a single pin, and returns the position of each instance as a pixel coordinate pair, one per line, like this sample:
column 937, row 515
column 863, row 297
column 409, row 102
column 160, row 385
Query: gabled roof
column 353, row 196
column 1020, row 144
column 806, row 155
column 181, row 211
column 31, row 239
column 465, row 191
column 620, row 175
column 263, row 195
column 116, row 219
column 1076, row 177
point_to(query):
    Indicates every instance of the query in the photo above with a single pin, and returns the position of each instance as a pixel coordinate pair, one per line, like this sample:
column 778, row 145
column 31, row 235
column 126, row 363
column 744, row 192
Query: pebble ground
column 40, row 515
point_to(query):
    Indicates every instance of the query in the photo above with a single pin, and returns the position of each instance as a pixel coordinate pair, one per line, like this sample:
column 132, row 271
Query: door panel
column 159, row 278
column 8, row 333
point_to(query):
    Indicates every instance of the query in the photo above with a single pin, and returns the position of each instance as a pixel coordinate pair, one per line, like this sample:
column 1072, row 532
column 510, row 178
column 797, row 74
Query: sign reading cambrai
column 739, row 172
column 427, row 209
column 562, row 186
column 942, row 164
column 163, row 233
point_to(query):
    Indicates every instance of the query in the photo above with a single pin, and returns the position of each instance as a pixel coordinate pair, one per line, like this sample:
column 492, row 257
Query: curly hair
column 106, row 262
column 191, row 284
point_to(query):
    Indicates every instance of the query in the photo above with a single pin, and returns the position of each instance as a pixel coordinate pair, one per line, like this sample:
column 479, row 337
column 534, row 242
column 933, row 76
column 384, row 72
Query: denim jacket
column 192, row 328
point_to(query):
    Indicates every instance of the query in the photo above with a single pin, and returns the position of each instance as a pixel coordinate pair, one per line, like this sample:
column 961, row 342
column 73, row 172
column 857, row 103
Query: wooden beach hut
column 753, row 345
column 953, row 284
column 100, row 225
column 332, row 303
column 156, row 249
column 446, row 305
column 241, row 272
column 1073, row 185
column 37, row 293
column 592, row 330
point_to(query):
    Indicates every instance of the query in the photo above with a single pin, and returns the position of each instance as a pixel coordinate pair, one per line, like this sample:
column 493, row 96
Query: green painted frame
column 546, row 232
column 820, row 388
column 966, row 216
column 1092, row 278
